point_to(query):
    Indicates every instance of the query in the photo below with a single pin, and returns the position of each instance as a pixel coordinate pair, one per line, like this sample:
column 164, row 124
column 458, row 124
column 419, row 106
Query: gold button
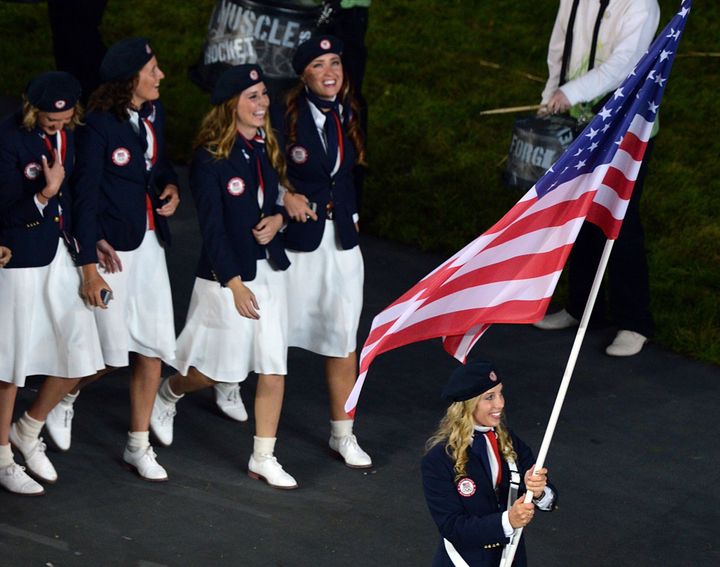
column 57, row 219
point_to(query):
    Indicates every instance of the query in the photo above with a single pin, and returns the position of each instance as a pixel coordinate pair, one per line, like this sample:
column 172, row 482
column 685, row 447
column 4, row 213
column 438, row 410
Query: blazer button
column 57, row 219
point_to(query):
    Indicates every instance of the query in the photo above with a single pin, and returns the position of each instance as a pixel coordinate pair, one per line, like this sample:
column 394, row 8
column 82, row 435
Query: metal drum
column 252, row 31
column 537, row 143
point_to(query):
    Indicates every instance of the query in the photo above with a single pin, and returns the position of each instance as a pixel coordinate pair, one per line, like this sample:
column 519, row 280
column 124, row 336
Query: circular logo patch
column 466, row 487
column 298, row 154
column 325, row 44
column 492, row 376
column 121, row 156
column 32, row 170
column 254, row 75
column 147, row 48
column 236, row 186
column 59, row 104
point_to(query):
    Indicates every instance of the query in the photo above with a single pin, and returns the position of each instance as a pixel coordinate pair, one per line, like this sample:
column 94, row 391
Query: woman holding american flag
column 471, row 474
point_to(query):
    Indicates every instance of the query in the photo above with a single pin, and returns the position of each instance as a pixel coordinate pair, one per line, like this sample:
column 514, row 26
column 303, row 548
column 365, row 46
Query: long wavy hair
column 456, row 431
column 114, row 97
column 31, row 113
column 218, row 132
column 347, row 98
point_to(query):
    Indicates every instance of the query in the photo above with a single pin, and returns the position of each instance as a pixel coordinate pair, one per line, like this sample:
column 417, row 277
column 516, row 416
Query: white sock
column 263, row 447
column 6, row 456
column 138, row 440
column 28, row 428
column 226, row 387
column 166, row 394
column 69, row 399
column 341, row 428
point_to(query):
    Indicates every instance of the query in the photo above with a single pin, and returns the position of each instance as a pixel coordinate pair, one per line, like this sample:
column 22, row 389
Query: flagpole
column 511, row 548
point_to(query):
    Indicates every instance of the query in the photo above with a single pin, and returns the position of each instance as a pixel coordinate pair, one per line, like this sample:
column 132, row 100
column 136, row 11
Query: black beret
column 315, row 47
column 124, row 59
column 54, row 91
column 470, row 380
column 235, row 80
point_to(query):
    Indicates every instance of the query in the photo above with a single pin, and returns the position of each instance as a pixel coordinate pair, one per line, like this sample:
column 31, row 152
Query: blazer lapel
column 35, row 144
column 317, row 144
column 479, row 449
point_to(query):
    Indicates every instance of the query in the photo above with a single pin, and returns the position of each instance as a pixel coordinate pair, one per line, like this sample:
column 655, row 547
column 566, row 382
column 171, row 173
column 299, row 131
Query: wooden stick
column 509, row 551
column 510, row 109
column 698, row 54
column 485, row 63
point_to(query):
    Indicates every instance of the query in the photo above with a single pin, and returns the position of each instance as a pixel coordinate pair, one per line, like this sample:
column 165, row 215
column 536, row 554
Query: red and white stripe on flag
column 509, row 273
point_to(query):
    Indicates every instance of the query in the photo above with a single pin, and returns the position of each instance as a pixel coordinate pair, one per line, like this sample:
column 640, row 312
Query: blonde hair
column 30, row 115
column 456, row 431
column 218, row 132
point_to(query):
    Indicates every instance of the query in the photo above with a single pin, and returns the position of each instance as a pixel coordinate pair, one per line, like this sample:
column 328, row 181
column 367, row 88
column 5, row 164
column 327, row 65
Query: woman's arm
column 91, row 143
column 456, row 524
column 5, row 256
column 17, row 207
column 526, row 464
column 207, row 191
column 267, row 228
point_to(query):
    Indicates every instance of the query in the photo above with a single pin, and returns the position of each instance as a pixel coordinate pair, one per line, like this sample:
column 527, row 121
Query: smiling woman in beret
column 125, row 189
column 321, row 137
column 45, row 328
column 471, row 473
column 236, row 322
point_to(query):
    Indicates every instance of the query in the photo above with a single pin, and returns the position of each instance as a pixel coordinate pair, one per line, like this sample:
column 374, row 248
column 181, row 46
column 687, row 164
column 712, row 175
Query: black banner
column 252, row 31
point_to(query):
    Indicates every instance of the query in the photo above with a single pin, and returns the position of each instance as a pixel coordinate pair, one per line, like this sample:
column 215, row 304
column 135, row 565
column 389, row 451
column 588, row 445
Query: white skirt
column 325, row 296
column 139, row 318
column 224, row 345
column 45, row 327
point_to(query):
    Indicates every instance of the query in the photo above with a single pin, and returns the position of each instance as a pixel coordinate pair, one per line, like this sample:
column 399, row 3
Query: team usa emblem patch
column 32, row 170
column 254, row 75
column 121, row 156
column 298, row 154
column 59, row 104
column 236, row 186
column 466, row 487
column 325, row 44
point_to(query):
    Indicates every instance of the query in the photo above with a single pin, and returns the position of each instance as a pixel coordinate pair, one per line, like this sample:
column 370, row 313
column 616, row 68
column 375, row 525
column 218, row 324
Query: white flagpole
column 511, row 548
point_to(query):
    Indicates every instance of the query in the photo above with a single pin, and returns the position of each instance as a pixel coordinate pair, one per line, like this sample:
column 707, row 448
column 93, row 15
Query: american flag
column 509, row 273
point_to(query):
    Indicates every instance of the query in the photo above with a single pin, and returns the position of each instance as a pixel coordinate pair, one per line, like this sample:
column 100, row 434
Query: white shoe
column 59, row 425
column 348, row 448
column 227, row 398
column 13, row 478
column 144, row 461
column 162, row 419
column 626, row 343
column 269, row 470
column 36, row 460
column 560, row 320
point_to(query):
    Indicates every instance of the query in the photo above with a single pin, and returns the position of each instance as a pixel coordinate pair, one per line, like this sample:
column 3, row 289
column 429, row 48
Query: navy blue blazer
column 473, row 524
column 111, row 182
column 225, row 194
column 309, row 172
column 32, row 236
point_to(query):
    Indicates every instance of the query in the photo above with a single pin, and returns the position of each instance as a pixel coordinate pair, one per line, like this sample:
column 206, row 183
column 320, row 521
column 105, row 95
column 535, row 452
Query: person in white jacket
column 594, row 45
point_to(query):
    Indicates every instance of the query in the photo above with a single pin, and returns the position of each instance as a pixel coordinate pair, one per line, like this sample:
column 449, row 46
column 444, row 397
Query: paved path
column 635, row 457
